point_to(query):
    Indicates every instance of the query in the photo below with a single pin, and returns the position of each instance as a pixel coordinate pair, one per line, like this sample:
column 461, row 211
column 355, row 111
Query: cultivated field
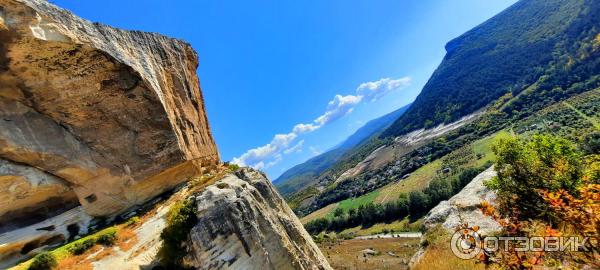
column 356, row 254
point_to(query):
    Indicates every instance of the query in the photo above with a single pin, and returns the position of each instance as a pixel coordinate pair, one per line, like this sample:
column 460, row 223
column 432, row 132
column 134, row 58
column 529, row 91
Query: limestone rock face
column 244, row 224
column 27, row 241
column 27, row 191
column 93, row 115
column 460, row 209
column 464, row 207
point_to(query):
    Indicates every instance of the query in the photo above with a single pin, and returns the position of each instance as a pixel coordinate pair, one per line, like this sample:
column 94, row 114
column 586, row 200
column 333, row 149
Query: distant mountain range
column 304, row 174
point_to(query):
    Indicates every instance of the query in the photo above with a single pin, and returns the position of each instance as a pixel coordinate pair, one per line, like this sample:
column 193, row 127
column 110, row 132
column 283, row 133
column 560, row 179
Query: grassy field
column 346, row 204
column 418, row 180
column 358, row 201
column 439, row 256
column 396, row 226
column 321, row 213
column 390, row 253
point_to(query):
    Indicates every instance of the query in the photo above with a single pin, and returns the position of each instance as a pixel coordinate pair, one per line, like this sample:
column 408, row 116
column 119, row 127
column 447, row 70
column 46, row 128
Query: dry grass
column 347, row 254
column 418, row 180
column 321, row 213
column 127, row 239
column 78, row 262
column 396, row 226
column 438, row 255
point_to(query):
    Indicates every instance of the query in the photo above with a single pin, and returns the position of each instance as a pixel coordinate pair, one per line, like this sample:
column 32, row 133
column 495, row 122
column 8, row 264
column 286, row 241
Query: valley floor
column 366, row 254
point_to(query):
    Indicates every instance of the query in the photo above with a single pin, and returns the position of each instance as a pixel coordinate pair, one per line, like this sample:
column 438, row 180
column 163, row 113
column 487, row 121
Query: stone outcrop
column 95, row 121
column 464, row 207
column 244, row 224
column 27, row 241
column 91, row 115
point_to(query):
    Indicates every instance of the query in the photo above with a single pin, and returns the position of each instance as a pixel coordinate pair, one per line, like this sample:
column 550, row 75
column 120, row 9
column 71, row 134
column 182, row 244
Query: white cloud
column 256, row 157
column 372, row 91
column 294, row 149
column 303, row 128
column 338, row 107
column 268, row 155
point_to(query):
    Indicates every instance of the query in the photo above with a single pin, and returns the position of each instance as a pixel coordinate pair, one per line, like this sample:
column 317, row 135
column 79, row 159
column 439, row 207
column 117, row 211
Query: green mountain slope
column 302, row 175
column 550, row 42
column 531, row 56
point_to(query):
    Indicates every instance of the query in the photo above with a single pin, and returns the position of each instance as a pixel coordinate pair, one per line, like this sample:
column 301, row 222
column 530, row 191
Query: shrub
column 233, row 167
column 107, row 237
column 132, row 221
column 418, row 203
column 527, row 166
column 180, row 220
column 43, row 261
column 338, row 212
column 80, row 247
column 591, row 143
column 545, row 190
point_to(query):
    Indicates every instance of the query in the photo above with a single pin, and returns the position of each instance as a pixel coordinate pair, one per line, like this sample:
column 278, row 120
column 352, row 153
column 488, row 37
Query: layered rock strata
column 91, row 115
column 244, row 224
column 463, row 208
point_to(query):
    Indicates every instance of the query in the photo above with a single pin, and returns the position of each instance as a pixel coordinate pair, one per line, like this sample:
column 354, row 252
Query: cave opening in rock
column 30, row 246
column 54, row 240
column 91, row 198
column 73, row 230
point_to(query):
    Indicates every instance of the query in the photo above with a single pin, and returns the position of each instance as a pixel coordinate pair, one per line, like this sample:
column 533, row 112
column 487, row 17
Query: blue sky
column 267, row 66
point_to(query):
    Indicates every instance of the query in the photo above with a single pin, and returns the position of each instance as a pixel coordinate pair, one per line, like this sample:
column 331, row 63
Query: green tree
column 418, row 203
column 438, row 190
column 43, row 261
column 180, row 220
column 528, row 166
column 591, row 143
column 338, row 212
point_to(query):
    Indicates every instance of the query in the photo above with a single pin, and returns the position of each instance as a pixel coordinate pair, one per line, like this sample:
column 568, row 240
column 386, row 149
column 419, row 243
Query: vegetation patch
column 43, row 261
column 414, row 205
column 414, row 196
column 438, row 255
column 547, row 187
column 180, row 220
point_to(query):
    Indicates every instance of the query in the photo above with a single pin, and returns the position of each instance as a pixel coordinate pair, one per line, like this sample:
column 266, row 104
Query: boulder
column 464, row 207
column 244, row 224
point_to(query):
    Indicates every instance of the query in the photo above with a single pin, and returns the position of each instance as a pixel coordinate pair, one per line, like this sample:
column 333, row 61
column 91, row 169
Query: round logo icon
column 466, row 243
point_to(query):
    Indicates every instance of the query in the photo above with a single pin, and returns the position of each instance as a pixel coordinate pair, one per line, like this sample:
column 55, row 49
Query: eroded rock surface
column 464, row 207
column 18, row 244
column 93, row 115
column 244, row 224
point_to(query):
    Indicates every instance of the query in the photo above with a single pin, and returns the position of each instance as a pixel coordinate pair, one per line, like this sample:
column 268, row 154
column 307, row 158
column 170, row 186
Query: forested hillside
column 532, row 55
column 537, row 50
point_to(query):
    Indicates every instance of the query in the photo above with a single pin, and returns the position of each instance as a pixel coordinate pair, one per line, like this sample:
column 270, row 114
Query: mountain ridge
column 323, row 161
column 464, row 82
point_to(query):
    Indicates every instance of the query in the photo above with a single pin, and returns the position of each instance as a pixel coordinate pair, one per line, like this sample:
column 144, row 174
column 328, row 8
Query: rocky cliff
column 96, row 121
column 462, row 208
column 244, row 224
column 91, row 115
